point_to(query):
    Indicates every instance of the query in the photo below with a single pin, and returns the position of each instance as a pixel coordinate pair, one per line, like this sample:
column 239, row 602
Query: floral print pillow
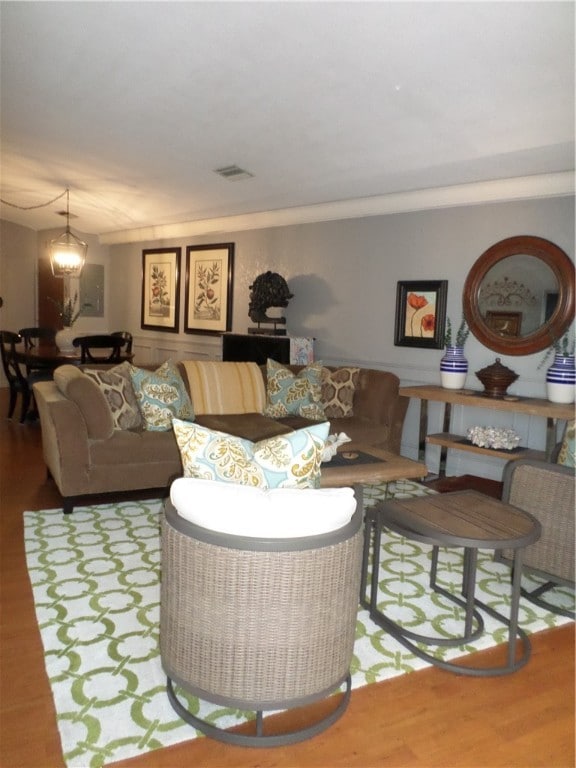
column 291, row 394
column 291, row 460
column 161, row 396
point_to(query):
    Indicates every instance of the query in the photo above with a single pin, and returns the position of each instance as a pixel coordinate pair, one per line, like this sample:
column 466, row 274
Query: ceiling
column 133, row 105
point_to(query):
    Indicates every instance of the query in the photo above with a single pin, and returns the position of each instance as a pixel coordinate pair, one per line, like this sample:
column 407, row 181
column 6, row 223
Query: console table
column 529, row 406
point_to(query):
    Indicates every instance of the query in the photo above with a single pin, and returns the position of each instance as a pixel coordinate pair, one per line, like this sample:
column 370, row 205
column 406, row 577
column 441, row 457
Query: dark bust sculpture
column 268, row 290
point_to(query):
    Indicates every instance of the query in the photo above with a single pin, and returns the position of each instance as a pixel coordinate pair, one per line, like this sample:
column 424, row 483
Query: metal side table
column 465, row 519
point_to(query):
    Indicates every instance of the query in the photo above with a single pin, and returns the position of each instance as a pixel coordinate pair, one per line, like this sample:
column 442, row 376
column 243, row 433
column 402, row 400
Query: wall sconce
column 67, row 252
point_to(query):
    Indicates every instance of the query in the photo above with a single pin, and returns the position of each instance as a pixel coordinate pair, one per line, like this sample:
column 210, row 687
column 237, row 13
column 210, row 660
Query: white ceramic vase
column 561, row 379
column 64, row 339
column 453, row 368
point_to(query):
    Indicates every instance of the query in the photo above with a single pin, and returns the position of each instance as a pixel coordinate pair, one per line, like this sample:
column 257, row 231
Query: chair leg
column 25, row 405
column 12, row 404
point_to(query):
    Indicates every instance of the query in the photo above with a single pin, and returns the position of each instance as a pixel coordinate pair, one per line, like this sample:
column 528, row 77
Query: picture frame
column 91, row 285
column 505, row 324
column 209, row 283
column 161, row 289
column 421, row 313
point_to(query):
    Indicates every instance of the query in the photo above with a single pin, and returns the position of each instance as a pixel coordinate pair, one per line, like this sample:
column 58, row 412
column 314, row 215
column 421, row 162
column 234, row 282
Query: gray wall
column 18, row 258
column 343, row 274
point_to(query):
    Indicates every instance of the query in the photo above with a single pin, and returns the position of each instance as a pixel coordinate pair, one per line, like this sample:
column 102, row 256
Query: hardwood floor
column 427, row 718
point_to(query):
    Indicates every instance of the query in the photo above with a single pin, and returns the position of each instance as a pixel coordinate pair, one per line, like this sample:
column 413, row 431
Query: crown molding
column 501, row 190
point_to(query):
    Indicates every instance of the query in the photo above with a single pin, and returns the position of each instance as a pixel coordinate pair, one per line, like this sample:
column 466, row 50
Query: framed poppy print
column 421, row 313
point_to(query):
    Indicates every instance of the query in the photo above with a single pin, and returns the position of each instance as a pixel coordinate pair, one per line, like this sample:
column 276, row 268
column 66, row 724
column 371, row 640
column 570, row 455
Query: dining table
column 49, row 357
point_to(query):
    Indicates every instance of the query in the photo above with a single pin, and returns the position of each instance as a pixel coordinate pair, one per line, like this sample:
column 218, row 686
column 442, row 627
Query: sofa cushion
column 338, row 387
column 294, row 394
column 291, row 460
column 566, row 453
column 161, row 396
column 224, row 387
column 263, row 512
column 86, row 394
column 116, row 384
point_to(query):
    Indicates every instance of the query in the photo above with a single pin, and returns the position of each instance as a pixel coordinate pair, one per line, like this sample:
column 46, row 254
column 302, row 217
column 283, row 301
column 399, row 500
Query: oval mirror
column 519, row 295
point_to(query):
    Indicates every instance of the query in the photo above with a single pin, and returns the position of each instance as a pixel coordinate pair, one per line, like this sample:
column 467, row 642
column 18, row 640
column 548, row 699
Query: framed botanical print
column 209, row 282
column 161, row 289
column 421, row 313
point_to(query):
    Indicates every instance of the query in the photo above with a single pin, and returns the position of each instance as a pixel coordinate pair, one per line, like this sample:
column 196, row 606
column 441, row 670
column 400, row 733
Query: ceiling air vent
column 233, row 173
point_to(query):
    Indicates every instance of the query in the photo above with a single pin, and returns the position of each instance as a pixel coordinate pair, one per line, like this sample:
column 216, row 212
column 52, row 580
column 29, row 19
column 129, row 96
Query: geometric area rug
column 95, row 578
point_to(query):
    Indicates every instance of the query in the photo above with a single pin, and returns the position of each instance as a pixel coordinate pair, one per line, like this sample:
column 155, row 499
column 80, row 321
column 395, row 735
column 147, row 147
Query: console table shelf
column 529, row 406
column 448, row 440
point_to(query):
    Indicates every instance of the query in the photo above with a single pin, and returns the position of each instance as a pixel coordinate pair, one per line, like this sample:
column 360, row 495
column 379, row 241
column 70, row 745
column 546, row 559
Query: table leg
column 514, row 606
column 469, row 587
column 369, row 520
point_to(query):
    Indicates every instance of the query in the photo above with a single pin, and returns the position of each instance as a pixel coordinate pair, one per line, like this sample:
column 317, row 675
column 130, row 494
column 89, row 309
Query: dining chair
column 34, row 337
column 110, row 345
column 128, row 337
column 16, row 376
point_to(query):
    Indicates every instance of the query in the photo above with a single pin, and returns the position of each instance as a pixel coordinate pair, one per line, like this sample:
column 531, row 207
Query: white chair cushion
column 243, row 510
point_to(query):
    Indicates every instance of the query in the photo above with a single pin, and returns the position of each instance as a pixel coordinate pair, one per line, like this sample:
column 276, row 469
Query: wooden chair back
column 109, row 346
column 128, row 337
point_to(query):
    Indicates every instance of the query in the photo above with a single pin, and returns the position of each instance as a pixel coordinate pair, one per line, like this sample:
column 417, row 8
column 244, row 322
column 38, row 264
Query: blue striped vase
column 560, row 379
column 453, row 368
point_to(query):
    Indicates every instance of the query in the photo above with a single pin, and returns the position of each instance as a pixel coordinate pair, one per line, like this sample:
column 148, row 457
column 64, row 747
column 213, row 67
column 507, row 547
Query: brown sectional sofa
column 85, row 457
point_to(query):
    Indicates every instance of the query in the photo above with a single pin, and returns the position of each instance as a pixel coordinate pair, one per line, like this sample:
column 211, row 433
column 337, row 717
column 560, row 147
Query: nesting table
column 465, row 519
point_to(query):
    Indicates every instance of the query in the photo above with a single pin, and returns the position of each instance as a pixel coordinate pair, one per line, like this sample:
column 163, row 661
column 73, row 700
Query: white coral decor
column 493, row 437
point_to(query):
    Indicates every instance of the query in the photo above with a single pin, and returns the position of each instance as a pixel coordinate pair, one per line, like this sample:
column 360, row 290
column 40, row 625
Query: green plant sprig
column 461, row 334
column 67, row 310
column 562, row 346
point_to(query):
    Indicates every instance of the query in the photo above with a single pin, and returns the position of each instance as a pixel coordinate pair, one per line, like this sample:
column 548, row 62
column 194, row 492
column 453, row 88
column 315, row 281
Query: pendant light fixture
column 67, row 252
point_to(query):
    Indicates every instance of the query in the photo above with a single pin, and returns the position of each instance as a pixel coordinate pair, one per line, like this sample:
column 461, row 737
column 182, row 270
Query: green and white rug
column 95, row 579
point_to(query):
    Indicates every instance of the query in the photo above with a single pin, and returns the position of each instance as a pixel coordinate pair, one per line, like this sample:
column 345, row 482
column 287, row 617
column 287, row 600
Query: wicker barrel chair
column 259, row 624
column 546, row 490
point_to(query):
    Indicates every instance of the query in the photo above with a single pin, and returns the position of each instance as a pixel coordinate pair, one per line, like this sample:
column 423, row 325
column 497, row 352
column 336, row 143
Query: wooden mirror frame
column 563, row 268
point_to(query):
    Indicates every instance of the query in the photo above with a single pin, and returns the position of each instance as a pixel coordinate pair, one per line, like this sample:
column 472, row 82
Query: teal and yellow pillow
column 291, row 394
column 291, row 460
column 161, row 396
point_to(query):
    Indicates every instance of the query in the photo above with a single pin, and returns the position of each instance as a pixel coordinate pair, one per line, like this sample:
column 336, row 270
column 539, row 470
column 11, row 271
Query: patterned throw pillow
column 338, row 389
column 116, row 384
column 291, row 394
column 566, row 455
column 292, row 460
column 161, row 396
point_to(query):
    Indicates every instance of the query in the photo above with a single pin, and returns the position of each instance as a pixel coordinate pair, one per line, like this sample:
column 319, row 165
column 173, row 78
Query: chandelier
column 67, row 252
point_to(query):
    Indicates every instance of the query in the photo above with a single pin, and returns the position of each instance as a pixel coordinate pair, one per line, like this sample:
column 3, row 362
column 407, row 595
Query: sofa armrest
column 64, row 439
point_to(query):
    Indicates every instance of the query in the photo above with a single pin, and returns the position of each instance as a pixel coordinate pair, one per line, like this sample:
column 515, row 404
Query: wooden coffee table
column 390, row 466
column 387, row 468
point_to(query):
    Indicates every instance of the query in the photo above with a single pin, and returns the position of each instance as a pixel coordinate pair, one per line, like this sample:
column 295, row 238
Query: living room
column 342, row 263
